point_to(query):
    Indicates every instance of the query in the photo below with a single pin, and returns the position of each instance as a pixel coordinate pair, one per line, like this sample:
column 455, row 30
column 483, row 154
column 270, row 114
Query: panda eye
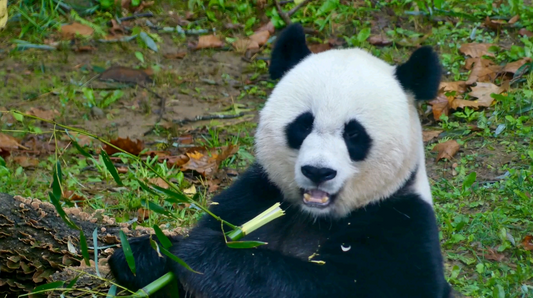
column 352, row 135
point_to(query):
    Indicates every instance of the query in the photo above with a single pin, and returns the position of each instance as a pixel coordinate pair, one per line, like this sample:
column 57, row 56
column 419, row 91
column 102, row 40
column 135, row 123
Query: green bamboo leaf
column 73, row 282
column 150, row 43
column 110, row 167
column 112, row 292
column 127, row 251
column 56, row 181
column 18, row 116
column 162, row 237
column 177, row 197
column 50, row 286
column 156, row 208
column 176, row 259
column 244, row 244
column 61, row 212
column 147, row 188
column 84, row 248
column 77, row 146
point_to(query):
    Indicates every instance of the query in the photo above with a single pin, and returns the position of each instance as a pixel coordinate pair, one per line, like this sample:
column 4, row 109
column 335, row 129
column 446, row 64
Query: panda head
column 340, row 129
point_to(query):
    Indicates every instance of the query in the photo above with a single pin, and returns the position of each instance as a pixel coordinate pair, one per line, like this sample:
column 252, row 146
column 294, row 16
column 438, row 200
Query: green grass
column 482, row 197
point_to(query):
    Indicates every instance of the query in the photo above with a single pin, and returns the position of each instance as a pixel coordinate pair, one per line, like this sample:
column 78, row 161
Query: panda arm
column 228, row 272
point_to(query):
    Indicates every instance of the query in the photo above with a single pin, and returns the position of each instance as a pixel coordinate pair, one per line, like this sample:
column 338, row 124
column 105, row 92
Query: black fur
column 299, row 129
column 394, row 250
column 357, row 140
column 289, row 49
column 421, row 74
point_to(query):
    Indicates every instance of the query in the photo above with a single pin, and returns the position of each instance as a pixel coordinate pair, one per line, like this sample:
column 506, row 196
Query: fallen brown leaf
column 70, row 31
column 82, row 140
column 527, row 243
column 482, row 92
column 128, row 145
column 159, row 182
column 493, row 255
column 514, row 19
column 8, row 143
column 494, row 24
column 25, row 161
column 446, row 150
column 514, row 66
column 476, row 50
column 459, row 86
column 208, row 41
column 44, row 114
column 143, row 214
column 483, row 70
column 428, row 135
column 116, row 28
column 207, row 164
column 125, row 75
column 178, row 55
column 379, row 40
column 525, row 32
column 440, row 106
column 260, row 37
column 318, row 48
column 267, row 27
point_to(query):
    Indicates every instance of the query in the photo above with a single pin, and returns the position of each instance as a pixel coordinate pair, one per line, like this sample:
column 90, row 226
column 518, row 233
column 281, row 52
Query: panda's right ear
column 289, row 49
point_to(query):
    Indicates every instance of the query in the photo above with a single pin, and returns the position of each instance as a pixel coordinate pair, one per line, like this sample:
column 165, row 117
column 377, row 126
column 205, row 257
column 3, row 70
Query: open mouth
column 316, row 198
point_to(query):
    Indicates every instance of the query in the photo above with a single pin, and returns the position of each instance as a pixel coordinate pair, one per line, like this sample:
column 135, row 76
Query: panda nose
column 318, row 175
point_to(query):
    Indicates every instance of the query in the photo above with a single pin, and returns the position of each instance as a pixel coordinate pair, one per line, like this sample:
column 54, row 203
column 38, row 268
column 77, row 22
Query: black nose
column 318, row 175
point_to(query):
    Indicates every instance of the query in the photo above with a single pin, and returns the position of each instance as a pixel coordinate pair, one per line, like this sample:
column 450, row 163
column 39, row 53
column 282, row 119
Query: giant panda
column 339, row 144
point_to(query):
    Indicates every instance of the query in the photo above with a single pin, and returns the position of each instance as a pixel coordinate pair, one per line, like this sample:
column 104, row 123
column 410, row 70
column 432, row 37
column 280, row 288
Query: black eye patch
column 299, row 129
column 357, row 140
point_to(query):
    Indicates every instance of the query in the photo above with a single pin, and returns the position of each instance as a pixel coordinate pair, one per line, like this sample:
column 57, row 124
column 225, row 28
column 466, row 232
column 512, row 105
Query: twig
column 136, row 16
column 286, row 16
column 207, row 117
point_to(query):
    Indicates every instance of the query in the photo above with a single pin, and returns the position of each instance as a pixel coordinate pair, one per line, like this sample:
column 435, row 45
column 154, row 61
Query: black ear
column 289, row 50
column 421, row 74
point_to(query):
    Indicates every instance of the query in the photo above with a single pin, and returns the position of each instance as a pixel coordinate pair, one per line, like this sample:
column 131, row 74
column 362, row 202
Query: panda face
column 337, row 132
column 341, row 129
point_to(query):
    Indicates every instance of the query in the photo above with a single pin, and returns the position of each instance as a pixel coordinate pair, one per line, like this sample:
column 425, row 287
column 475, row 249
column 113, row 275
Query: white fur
column 338, row 86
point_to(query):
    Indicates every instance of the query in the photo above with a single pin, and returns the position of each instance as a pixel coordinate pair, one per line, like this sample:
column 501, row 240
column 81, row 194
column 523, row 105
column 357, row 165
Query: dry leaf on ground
column 159, row 182
column 483, row 70
column 527, row 243
column 44, row 114
column 70, row 31
column 482, row 92
column 208, row 41
column 26, row 161
column 525, row 32
column 494, row 24
column 514, row 66
column 82, row 140
column 459, row 86
column 8, row 143
column 493, row 255
column 379, row 40
column 514, row 19
column 207, row 164
column 267, row 27
column 446, row 150
column 440, row 106
column 428, row 135
column 125, row 75
column 319, row 48
column 476, row 50
column 143, row 214
column 261, row 37
column 178, row 55
column 128, row 145
column 242, row 45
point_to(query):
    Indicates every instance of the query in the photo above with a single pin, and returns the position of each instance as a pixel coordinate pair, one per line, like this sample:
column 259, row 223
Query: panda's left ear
column 289, row 49
column 421, row 74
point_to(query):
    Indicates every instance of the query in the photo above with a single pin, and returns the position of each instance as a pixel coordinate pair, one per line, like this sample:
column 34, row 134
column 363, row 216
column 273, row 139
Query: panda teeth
column 325, row 199
column 307, row 197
